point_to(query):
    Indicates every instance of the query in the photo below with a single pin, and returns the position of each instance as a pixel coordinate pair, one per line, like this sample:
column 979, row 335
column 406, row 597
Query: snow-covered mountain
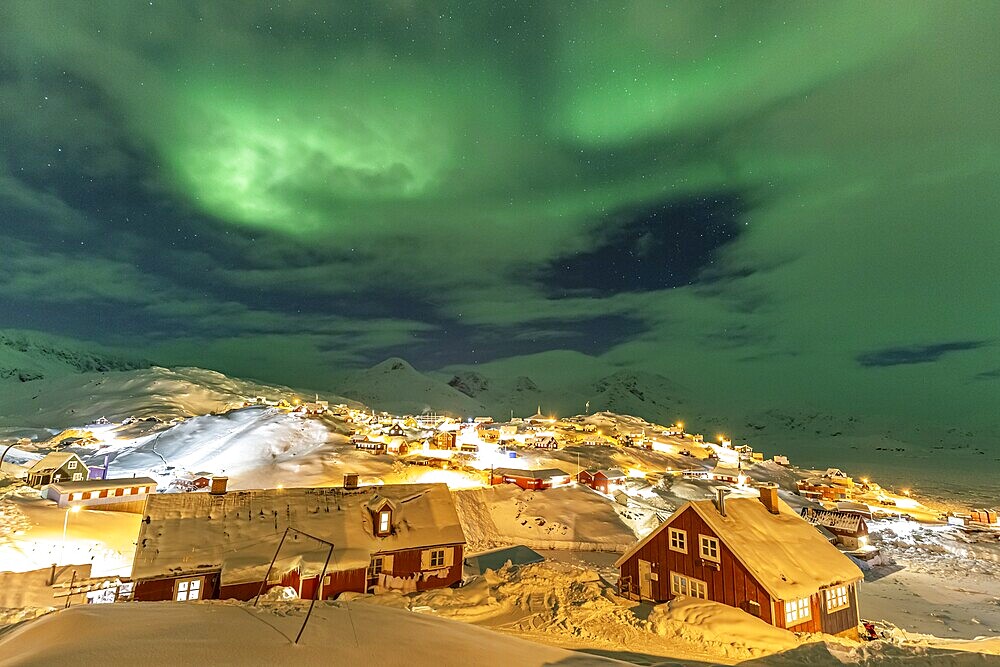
column 80, row 398
column 27, row 356
column 396, row 386
column 651, row 396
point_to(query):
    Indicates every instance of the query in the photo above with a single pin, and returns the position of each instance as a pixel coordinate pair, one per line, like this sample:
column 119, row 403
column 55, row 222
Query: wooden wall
column 730, row 584
column 844, row 620
column 153, row 590
column 407, row 563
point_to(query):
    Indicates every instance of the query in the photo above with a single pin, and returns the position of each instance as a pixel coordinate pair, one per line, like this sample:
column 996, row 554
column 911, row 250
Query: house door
column 645, row 579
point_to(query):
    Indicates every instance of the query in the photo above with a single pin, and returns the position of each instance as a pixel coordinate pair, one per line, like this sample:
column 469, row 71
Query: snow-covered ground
column 222, row 633
column 573, row 606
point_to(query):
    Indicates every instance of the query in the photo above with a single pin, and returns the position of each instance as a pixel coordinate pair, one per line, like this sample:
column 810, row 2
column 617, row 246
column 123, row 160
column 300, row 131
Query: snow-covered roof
column 542, row 473
column 729, row 471
column 99, row 484
column 842, row 521
column 789, row 557
column 611, row 473
column 52, row 461
column 240, row 531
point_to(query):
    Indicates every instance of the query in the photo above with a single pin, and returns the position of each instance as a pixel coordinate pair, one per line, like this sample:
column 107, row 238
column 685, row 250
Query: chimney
column 351, row 480
column 769, row 496
column 721, row 501
column 219, row 486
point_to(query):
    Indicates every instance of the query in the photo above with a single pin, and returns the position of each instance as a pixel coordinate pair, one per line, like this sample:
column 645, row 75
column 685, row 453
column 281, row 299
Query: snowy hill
column 80, row 398
column 26, row 356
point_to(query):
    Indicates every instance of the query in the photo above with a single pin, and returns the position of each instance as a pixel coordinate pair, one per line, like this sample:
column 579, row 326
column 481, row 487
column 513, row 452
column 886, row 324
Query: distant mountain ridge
column 28, row 356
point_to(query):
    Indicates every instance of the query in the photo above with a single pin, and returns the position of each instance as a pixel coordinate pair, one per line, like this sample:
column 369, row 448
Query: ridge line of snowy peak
column 26, row 358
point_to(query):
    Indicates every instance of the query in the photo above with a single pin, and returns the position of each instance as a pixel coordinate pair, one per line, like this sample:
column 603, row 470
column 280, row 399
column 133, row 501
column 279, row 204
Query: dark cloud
column 993, row 374
column 916, row 354
column 649, row 248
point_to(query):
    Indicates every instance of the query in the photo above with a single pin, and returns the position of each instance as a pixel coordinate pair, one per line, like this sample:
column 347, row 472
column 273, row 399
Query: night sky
column 770, row 203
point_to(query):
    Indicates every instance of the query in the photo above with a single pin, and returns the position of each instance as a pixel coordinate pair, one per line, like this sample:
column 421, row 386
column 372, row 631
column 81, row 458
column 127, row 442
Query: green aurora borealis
column 284, row 189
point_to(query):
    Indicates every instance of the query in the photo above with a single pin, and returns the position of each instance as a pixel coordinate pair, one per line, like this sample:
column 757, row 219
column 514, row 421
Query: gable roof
column 541, row 473
column 239, row 531
column 784, row 553
column 53, row 461
column 842, row 521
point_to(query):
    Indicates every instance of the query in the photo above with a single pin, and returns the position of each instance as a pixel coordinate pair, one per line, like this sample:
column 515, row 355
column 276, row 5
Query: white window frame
column 677, row 540
column 376, row 566
column 71, row 465
column 384, row 520
column 797, row 612
column 837, row 598
column 713, row 545
column 189, row 589
column 437, row 558
column 78, row 477
column 682, row 584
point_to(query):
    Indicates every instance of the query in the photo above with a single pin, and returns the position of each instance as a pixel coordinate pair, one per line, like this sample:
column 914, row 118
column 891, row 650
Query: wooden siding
column 812, row 624
column 153, row 590
column 843, row 620
column 730, row 584
column 407, row 563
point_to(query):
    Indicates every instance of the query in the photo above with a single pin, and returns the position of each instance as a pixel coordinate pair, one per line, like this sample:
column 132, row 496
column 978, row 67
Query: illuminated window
column 682, row 585
column 383, row 521
column 837, row 599
column 797, row 611
column 142, row 489
column 128, row 492
column 709, row 548
column 678, row 540
column 437, row 558
column 76, row 496
column 188, row 589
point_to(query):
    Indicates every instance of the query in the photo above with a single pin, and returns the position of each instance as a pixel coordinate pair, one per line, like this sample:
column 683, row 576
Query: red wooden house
column 605, row 481
column 219, row 545
column 755, row 554
column 535, row 480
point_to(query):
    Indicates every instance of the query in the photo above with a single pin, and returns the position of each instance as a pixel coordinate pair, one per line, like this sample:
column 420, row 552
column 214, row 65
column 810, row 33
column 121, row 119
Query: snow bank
column 728, row 630
column 237, row 634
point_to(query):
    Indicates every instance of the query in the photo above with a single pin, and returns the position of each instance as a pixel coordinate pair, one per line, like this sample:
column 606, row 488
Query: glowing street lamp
column 75, row 509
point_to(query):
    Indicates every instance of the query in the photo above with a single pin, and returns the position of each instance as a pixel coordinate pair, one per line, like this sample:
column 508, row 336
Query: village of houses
column 671, row 517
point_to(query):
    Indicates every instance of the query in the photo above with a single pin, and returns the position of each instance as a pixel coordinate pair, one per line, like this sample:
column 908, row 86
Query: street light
column 74, row 509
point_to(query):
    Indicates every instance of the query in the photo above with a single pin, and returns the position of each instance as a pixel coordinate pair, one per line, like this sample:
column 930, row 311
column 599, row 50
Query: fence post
column 269, row 567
